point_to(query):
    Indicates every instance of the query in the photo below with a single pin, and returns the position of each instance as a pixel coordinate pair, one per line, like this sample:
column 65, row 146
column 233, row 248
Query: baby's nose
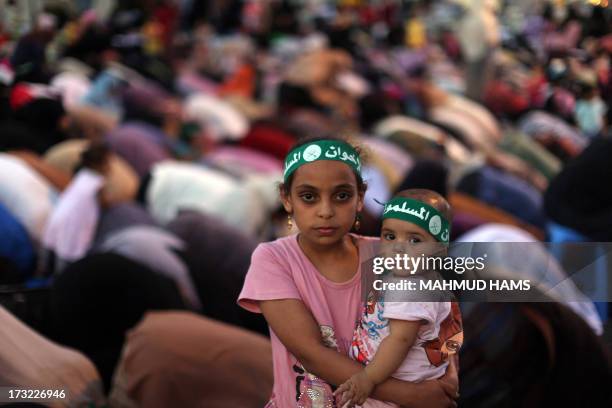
column 400, row 247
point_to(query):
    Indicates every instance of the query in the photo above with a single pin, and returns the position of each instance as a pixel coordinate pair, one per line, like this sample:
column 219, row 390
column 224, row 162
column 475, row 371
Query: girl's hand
column 435, row 393
column 450, row 380
column 346, row 391
column 427, row 394
column 356, row 390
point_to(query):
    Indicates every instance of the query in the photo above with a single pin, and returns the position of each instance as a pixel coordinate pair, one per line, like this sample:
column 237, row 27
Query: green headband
column 321, row 150
column 421, row 214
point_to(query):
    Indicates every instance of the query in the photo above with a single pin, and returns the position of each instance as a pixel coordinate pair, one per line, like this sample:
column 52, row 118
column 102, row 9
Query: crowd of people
column 142, row 144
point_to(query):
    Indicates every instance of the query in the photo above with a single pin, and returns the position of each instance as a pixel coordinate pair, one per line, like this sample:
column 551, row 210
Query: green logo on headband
column 322, row 150
column 421, row 214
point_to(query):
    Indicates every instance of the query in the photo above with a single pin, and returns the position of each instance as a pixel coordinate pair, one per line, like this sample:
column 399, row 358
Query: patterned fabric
column 440, row 335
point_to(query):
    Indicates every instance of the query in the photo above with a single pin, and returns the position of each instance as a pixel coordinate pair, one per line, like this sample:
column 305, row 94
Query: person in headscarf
column 121, row 181
column 243, row 160
column 479, row 35
column 29, row 57
column 18, row 135
column 181, row 359
column 26, row 194
column 157, row 249
column 268, row 139
column 58, row 178
column 577, row 199
column 136, row 147
column 218, row 277
column 554, row 133
column 590, row 110
column 470, row 212
column 120, row 216
column 427, row 174
column 505, row 191
column 29, row 360
column 15, row 244
column 71, row 227
column 106, row 91
column 177, row 185
column 424, row 140
column 531, row 354
column 46, row 117
column 96, row 300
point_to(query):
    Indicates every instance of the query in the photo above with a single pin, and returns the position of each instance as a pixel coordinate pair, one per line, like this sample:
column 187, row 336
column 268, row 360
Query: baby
column 409, row 336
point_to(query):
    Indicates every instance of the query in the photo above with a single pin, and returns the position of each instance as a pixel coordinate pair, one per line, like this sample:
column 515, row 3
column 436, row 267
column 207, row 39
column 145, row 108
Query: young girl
column 408, row 334
column 308, row 285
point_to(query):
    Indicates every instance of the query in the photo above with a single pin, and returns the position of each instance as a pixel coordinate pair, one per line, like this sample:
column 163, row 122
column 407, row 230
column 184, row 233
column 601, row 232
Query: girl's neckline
column 327, row 281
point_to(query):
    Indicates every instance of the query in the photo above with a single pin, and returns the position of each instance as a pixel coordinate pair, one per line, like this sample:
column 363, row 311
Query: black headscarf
column 428, row 174
column 15, row 135
column 579, row 196
column 43, row 116
column 96, row 300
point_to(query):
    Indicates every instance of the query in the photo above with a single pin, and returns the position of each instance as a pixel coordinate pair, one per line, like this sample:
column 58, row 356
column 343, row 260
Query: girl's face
column 324, row 200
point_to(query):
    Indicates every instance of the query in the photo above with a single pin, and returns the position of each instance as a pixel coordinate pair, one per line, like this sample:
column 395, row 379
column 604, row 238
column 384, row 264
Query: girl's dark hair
column 361, row 185
column 94, row 157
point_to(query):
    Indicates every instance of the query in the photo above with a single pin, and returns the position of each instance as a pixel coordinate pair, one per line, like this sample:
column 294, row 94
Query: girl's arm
column 298, row 331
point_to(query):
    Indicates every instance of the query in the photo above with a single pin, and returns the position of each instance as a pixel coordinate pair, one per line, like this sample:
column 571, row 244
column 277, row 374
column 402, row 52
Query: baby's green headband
column 321, row 150
column 421, row 214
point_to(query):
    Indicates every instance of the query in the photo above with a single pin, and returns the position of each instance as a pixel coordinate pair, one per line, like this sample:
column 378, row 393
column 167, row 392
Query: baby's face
column 401, row 237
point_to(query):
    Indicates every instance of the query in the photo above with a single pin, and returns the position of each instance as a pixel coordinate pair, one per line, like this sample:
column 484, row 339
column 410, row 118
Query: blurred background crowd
column 142, row 143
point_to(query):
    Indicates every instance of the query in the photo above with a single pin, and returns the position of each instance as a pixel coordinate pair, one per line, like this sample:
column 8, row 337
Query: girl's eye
column 343, row 196
column 307, row 197
column 415, row 240
column 389, row 236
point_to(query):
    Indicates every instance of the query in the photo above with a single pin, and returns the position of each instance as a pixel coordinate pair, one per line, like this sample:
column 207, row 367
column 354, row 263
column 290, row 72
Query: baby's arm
column 391, row 352
column 393, row 349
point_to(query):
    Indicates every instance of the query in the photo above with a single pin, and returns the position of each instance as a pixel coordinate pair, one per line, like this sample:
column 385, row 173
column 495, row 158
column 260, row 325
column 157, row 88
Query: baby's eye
column 307, row 197
column 388, row 236
column 415, row 240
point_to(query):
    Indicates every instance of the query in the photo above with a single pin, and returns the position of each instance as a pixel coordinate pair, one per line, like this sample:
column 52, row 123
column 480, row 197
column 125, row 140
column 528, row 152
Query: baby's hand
column 355, row 390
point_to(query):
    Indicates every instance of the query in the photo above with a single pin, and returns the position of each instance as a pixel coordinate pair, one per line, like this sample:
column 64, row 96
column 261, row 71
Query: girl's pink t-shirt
column 281, row 270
